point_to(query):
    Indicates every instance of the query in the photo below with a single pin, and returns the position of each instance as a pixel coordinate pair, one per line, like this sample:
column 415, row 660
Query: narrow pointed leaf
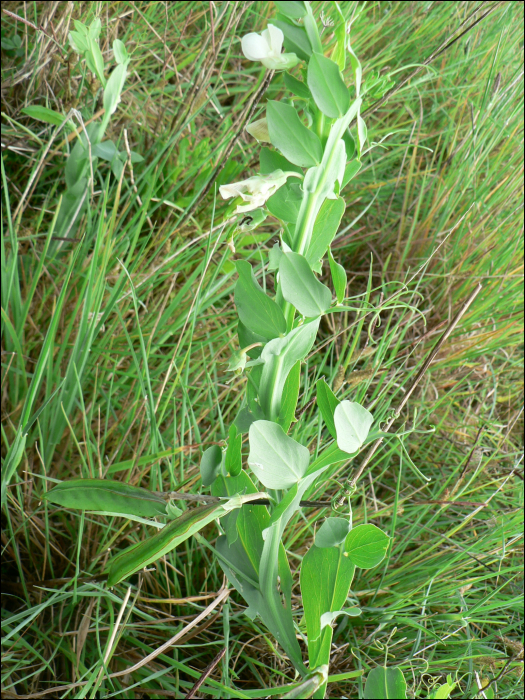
column 338, row 277
column 289, row 397
column 140, row 555
column 327, row 402
column 325, row 228
column 279, row 356
column 107, row 495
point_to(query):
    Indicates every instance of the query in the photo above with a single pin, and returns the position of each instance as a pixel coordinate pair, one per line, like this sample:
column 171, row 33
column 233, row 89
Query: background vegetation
column 128, row 382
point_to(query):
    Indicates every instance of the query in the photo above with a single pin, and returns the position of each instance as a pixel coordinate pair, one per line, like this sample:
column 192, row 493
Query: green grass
column 113, row 350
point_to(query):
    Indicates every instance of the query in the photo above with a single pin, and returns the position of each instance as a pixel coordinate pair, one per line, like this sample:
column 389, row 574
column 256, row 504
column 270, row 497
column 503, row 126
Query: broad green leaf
column 327, row 402
column 257, row 311
column 245, row 418
column 233, row 460
column 338, row 277
column 287, row 132
column 291, row 8
column 105, row 150
column 95, row 28
column 95, row 60
column 325, row 228
column 279, row 356
column 295, row 39
column 332, row 532
column 326, row 576
column 81, row 28
column 271, row 160
column 300, row 286
column 107, row 495
column 351, row 170
column 352, row 425
column 120, row 52
column 327, row 86
column 297, row 86
column 78, row 42
column 366, row 546
column 44, row 114
column 149, row 550
column 289, row 397
column 114, row 89
column 277, row 460
column 247, row 338
column 285, row 203
column 385, row 683
column 210, row 464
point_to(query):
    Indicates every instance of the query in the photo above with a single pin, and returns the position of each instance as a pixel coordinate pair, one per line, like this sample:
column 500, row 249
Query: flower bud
column 259, row 130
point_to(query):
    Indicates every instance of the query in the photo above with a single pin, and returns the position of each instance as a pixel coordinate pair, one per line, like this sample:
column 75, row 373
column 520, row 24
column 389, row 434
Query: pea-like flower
column 256, row 190
column 266, row 48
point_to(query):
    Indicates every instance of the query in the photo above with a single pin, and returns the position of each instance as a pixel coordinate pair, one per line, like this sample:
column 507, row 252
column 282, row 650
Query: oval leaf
column 287, row 132
column 352, row 424
column 108, row 496
column 327, row 86
column 210, row 464
column 233, row 453
column 257, row 311
column 366, row 546
column 276, row 460
column 385, row 683
column 301, row 287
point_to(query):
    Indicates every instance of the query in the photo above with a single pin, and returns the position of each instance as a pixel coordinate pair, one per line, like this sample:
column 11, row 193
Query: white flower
column 256, row 190
column 267, row 47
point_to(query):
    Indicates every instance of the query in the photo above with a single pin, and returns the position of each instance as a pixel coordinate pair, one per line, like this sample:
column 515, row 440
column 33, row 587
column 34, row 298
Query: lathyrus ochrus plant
column 89, row 145
column 314, row 156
